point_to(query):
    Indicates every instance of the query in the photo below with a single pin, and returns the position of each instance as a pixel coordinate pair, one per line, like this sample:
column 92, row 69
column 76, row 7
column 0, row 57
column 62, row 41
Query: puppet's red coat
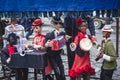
column 39, row 40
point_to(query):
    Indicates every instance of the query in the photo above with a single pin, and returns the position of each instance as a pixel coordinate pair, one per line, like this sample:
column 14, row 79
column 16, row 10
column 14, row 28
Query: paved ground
column 95, row 64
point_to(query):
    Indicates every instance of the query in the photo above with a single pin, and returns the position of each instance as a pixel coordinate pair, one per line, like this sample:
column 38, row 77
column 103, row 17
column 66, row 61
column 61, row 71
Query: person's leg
column 24, row 74
column 86, row 76
column 102, row 75
column 70, row 56
column 61, row 67
column 55, row 68
column 18, row 74
column 43, row 74
column 106, row 74
column 78, row 78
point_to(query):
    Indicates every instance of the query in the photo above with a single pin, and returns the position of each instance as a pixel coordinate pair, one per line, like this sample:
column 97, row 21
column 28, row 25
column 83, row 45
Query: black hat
column 56, row 19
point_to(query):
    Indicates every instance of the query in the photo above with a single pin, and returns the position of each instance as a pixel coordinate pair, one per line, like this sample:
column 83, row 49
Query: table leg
column 35, row 74
column 43, row 74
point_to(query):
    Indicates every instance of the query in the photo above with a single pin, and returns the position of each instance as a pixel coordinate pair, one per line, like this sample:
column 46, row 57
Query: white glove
column 73, row 46
column 8, row 60
column 48, row 43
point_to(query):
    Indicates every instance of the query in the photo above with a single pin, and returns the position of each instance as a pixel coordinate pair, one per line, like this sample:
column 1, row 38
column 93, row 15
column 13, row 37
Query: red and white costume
column 81, row 63
column 39, row 40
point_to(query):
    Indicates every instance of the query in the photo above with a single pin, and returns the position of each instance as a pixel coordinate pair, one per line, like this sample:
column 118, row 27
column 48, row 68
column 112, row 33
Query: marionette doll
column 81, row 65
column 107, row 53
column 38, row 41
column 21, row 73
column 9, row 49
column 54, row 53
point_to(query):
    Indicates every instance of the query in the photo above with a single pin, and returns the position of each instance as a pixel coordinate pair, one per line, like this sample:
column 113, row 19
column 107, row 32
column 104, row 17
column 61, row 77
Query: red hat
column 37, row 22
column 78, row 21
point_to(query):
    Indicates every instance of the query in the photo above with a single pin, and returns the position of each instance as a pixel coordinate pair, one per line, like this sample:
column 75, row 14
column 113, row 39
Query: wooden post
column 117, row 36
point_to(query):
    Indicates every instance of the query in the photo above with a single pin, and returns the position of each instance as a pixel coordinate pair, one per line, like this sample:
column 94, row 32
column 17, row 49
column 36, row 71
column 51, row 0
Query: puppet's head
column 37, row 26
column 12, row 38
column 57, row 22
column 106, row 31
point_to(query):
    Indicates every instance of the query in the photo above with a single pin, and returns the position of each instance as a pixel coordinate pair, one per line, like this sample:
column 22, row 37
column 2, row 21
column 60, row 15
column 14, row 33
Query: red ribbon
column 11, row 49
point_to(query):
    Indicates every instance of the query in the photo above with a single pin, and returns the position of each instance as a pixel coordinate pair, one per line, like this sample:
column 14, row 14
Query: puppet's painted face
column 37, row 29
column 57, row 25
column 83, row 27
column 12, row 38
column 106, row 34
column 57, row 22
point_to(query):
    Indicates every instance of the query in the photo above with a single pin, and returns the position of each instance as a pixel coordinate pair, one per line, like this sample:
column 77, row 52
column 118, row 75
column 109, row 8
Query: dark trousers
column 21, row 74
column 57, row 66
column 106, row 74
column 71, row 56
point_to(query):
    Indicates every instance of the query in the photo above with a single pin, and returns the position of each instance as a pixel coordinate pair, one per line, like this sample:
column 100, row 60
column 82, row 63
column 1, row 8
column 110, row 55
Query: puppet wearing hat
column 37, row 22
column 39, row 40
column 107, row 52
column 54, row 55
column 107, row 28
column 81, row 63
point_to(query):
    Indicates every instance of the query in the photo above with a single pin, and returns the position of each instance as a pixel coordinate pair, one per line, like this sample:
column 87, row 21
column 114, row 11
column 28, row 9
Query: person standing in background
column 16, row 28
column 26, row 22
column 19, row 30
column 71, row 30
column 2, row 31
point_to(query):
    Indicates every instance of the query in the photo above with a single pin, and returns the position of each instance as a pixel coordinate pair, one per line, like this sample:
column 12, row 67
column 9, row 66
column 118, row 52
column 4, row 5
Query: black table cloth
column 34, row 59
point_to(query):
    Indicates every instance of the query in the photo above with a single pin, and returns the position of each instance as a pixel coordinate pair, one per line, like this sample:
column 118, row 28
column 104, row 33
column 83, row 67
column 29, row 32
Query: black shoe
column 48, row 77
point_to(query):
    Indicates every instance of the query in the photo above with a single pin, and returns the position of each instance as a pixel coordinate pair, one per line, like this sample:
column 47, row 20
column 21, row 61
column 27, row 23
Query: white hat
column 85, row 44
column 107, row 28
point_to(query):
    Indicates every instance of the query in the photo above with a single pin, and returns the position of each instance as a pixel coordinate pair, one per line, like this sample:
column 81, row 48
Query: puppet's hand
column 94, row 39
column 37, row 46
column 98, row 56
column 41, row 48
column 73, row 46
column 30, row 46
column 48, row 43
column 8, row 60
column 67, row 37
